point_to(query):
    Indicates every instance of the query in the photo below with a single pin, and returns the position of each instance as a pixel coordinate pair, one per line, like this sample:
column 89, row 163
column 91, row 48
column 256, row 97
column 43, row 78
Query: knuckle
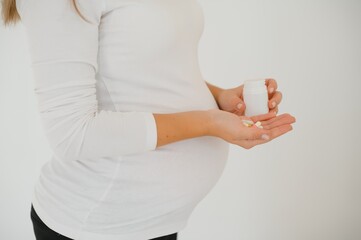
column 247, row 146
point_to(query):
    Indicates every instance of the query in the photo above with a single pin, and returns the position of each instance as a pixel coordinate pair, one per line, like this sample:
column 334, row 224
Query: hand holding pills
column 248, row 132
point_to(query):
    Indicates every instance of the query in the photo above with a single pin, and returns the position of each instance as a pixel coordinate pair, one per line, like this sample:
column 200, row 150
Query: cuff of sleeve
column 151, row 128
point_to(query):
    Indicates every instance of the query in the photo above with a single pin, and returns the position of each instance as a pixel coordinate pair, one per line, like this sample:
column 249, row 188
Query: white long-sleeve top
column 98, row 85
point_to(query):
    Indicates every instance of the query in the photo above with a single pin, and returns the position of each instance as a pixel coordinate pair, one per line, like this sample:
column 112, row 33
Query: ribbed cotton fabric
column 98, row 85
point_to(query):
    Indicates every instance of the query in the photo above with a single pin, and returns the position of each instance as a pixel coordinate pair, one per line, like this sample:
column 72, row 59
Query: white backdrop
column 305, row 185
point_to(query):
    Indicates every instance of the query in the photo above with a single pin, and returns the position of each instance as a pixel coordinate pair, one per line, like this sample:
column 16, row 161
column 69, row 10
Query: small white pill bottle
column 255, row 97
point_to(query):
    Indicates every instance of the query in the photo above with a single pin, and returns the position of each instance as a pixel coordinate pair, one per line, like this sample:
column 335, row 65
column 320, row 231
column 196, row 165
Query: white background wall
column 305, row 185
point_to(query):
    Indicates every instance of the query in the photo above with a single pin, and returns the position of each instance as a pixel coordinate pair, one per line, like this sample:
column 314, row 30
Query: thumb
column 240, row 107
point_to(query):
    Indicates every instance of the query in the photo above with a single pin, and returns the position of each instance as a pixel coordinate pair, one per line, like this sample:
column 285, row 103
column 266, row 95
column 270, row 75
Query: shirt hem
column 85, row 235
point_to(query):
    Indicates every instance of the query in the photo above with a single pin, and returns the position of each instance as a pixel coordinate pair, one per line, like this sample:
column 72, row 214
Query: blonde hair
column 10, row 13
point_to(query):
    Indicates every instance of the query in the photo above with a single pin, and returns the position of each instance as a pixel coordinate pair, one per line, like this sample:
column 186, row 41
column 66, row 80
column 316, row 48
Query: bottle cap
column 255, row 83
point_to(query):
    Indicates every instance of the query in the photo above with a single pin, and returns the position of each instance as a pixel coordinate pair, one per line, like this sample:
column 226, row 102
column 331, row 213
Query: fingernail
column 273, row 104
column 239, row 105
column 265, row 137
column 271, row 90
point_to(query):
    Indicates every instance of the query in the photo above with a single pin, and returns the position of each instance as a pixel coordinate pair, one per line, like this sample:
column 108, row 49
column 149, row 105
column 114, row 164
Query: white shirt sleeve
column 63, row 49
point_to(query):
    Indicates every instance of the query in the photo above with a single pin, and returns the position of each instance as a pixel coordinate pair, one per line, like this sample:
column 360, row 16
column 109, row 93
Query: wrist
column 212, row 128
column 216, row 91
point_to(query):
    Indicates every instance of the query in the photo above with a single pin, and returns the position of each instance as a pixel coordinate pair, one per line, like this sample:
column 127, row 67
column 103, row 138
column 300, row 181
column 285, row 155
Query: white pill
column 247, row 123
column 258, row 124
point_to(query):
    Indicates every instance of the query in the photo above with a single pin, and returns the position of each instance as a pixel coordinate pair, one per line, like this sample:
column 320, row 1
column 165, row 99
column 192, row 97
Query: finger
column 276, row 132
column 255, row 133
column 240, row 113
column 283, row 121
column 278, row 118
column 271, row 85
column 240, row 106
column 263, row 117
column 275, row 100
column 275, row 110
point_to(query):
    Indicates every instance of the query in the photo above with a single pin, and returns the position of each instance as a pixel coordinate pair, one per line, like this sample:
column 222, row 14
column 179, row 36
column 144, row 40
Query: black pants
column 43, row 232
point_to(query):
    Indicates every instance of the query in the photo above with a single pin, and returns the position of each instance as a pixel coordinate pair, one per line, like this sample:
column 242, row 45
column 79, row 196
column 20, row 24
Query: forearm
column 214, row 90
column 183, row 125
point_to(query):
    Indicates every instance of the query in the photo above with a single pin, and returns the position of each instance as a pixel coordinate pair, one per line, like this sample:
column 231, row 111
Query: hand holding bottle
column 232, row 99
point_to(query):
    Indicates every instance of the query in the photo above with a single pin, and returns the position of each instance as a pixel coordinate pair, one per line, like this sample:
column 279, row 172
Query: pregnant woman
column 138, row 136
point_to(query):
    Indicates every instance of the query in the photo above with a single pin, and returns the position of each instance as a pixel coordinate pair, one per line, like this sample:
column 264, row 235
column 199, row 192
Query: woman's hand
column 230, row 127
column 231, row 100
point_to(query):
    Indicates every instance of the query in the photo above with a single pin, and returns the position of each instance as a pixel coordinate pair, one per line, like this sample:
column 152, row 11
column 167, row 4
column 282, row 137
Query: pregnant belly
column 174, row 175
